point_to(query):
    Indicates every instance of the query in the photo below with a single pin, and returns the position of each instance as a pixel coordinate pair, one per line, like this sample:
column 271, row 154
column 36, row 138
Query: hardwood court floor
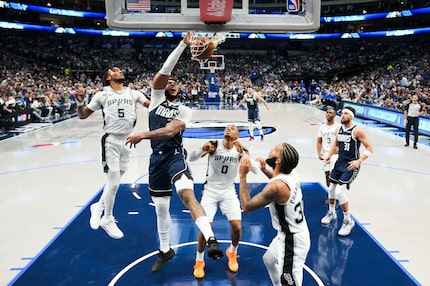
column 48, row 176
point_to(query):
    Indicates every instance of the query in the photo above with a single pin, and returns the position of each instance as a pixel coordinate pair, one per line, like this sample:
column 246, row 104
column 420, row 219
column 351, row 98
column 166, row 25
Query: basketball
column 202, row 48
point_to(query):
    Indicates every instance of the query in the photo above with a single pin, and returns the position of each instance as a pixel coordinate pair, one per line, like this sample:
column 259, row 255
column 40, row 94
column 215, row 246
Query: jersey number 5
column 121, row 112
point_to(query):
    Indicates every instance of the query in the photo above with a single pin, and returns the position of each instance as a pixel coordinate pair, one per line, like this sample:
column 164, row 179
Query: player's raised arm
column 162, row 77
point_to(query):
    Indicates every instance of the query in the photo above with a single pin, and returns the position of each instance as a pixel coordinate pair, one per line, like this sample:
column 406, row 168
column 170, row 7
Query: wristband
column 367, row 153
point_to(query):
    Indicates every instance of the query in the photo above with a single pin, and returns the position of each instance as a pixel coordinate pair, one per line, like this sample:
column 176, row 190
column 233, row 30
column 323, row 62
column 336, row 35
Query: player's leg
column 301, row 248
column 327, row 181
column 251, row 124
column 161, row 192
column 230, row 207
column 162, row 210
column 199, row 265
column 111, row 158
column 348, row 223
column 342, row 195
column 331, row 213
column 251, row 130
column 96, row 209
column 184, row 184
column 210, row 205
column 108, row 222
column 260, row 128
column 270, row 259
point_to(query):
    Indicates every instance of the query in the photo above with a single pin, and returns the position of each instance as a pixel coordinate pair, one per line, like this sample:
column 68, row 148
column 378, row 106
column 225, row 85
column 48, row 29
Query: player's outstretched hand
column 80, row 94
column 187, row 38
column 208, row 148
column 133, row 140
column 244, row 166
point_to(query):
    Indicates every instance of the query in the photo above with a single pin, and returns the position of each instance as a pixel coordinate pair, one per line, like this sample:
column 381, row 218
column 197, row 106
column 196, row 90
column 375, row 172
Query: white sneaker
column 109, row 225
column 329, row 217
column 96, row 213
column 346, row 228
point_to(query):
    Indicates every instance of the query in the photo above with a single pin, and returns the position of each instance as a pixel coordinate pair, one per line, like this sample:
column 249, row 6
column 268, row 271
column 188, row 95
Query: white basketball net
column 198, row 45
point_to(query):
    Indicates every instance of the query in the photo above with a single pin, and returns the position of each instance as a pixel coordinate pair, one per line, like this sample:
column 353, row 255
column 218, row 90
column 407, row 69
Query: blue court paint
column 81, row 256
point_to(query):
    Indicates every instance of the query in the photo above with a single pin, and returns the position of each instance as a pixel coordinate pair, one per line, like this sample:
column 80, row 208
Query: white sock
column 346, row 216
column 332, row 207
column 200, row 255
column 205, row 227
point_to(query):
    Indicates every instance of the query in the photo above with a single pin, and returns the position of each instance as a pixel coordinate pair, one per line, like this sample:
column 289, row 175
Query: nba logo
column 293, row 5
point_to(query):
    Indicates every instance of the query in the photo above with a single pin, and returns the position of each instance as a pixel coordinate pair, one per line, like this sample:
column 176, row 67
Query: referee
column 412, row 112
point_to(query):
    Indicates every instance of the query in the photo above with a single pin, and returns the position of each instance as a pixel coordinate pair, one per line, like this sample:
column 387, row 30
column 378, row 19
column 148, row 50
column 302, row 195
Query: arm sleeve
column 195, row 155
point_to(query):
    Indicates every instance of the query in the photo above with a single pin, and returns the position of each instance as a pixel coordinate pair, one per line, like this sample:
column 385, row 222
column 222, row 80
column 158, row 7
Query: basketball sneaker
column 109, row 225
column 199, row 269
column 346, row 228
column 329, row 217
column 251, row 138
column 96, row 214
column 262, row 137
column 233, row 266
column 214, row 250
column 162, row 260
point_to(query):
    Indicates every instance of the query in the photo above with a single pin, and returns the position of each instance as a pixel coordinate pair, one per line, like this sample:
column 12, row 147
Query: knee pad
column 341, row 194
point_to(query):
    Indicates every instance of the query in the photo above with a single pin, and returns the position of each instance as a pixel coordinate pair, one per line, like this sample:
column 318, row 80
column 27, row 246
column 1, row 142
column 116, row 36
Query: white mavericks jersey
column 289, row 217
column 328, row 135
column 222, row 167
column 119, row 109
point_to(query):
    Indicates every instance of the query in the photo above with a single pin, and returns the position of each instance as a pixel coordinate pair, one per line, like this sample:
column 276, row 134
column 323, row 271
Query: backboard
column 253, row 16
column 215, row 62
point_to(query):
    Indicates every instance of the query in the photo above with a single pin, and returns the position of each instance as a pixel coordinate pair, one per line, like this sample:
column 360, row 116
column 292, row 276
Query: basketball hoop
column 204, row 44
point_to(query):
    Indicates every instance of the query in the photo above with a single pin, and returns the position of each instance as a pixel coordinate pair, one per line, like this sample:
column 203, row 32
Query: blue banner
column 391, row 117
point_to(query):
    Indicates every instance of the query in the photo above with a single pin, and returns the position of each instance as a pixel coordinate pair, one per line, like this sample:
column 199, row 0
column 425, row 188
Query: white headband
column 348, row 111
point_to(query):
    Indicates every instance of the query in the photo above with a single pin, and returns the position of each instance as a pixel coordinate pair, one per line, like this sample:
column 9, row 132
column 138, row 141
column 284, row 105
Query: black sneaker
column 214, row 250
column 162, row 259
column 407, row 144
column 415, row 147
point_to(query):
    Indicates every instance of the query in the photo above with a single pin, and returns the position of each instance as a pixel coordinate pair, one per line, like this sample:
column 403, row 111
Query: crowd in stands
column 38, row 78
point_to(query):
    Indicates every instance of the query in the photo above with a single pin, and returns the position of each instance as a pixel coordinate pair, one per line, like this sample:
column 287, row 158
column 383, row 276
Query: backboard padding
column 119, row 18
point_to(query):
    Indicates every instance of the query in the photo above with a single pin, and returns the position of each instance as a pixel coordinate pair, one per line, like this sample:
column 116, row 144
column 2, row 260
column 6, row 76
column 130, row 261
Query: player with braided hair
column 286, row 255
